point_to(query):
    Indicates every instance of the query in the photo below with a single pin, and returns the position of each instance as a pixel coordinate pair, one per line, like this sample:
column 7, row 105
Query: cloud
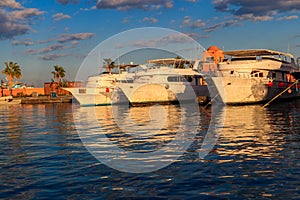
column 15, row 22
column 193, row 1
column 134, row 4
column 52, row 56
column 65, row 2
column 187, row 21
column 214, row 27
column 288, row 18
column 220, row 25
column 254, row 18
column 60, row 16
column 30, row 51
column 26, row 13
column 74, row 37
column 256, row 10
column 25, row 42
column 179, row 38
column 50, row 48
column 60, row 46
column 150, row 19
column 196, row 36
column 53, row 47
column 10, row 4
column 9, row 27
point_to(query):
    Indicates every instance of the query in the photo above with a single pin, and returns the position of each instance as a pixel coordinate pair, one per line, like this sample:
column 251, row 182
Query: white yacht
column 256, row 76
column 165, row 81
column 159, row 81
column 101, row 89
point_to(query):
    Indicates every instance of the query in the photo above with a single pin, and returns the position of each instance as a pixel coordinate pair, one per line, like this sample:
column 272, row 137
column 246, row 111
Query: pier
column 46, row 99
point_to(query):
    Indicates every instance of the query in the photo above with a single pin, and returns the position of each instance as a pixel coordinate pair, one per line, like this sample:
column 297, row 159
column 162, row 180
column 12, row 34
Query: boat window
column 209, row 59
column 231, row 72
column 189, row 79
column 82, row 91
column 274, row 75
column 179, row 79
column 258, row 58
column 172, row 79
column 257, row 74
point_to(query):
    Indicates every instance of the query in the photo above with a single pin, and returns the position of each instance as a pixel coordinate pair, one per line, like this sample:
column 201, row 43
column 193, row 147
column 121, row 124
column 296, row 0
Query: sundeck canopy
column 169, row 61
column 255, row 52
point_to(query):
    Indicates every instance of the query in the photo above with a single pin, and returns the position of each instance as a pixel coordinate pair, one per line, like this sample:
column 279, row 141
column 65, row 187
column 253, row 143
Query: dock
column 46, row 99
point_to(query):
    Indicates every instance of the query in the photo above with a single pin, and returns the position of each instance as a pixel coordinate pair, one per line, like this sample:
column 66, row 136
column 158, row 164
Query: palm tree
column 58, row 74
column 12, row 70
column 109, row 64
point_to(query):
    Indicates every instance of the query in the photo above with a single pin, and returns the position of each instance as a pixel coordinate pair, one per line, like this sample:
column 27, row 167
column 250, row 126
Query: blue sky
column 38, row 34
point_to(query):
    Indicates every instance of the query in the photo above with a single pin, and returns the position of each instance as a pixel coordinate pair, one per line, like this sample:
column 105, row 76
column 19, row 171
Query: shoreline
column 39, row 100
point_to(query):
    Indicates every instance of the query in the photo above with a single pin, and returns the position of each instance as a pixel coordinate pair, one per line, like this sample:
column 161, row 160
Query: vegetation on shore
column 12, row 70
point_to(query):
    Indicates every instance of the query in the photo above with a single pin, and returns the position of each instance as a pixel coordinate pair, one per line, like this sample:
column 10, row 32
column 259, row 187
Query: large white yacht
column 256, row 76
column 162, row 80
column 165, row 81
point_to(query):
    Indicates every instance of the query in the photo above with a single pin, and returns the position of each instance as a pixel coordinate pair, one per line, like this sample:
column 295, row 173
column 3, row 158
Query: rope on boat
column 296, row 82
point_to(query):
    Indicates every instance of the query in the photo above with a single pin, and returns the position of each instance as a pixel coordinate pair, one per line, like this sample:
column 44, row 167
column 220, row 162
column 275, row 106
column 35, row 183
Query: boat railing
column 237, row 74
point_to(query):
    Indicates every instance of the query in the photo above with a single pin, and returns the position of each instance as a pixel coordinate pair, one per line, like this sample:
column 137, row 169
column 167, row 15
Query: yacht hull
column 97, row 96
column 234, row 91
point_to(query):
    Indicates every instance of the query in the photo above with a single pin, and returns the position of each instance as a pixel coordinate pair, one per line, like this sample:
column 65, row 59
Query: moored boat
column 101, row 89
column 166, row 81
column 256, row 76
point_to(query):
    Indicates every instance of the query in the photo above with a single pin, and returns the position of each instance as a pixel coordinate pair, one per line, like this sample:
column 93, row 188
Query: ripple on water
column 42, row 155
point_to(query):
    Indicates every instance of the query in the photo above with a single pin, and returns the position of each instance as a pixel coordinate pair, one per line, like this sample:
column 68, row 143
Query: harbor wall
column 23, row 92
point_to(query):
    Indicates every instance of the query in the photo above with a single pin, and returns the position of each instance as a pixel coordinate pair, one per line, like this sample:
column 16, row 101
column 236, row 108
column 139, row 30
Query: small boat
column 256, row 76
column 169, row 80
column 101, row 89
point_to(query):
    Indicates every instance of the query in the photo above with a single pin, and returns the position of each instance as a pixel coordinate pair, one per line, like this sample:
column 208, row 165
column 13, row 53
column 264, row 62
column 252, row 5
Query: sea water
column 53, row 151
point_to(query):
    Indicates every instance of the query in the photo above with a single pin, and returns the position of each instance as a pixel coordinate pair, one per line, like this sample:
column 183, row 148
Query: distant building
column 53, row 87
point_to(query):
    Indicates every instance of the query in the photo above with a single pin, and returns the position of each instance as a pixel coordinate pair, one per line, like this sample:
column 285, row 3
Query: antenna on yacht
column 99, row 62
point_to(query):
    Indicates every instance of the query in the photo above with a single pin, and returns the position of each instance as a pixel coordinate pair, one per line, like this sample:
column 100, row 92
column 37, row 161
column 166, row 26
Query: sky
column 38, row 34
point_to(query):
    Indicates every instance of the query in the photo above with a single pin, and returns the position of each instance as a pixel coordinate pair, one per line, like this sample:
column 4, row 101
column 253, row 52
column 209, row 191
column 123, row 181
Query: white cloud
column 187, row 21
column 26, row 13
column 134, row 4
column 60, row 16
column 71, row 37
column 52, row 56
column 15, row 20
column 10, row 4
column 257, row 10
column 288, row 18
column 150, row 19
column 26, row 42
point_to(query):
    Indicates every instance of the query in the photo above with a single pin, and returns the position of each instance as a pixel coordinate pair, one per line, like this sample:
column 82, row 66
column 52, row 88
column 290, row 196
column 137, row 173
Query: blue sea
column 64, row 151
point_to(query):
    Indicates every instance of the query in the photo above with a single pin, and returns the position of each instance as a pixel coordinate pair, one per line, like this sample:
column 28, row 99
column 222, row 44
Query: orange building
column 211, row 57
column 24, row 91
column 48, row 88
column 53, row 87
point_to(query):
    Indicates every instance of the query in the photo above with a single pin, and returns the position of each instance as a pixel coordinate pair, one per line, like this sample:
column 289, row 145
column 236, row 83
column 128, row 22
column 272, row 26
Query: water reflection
column 252, row 132
column 29, row 143
column 126, row 138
